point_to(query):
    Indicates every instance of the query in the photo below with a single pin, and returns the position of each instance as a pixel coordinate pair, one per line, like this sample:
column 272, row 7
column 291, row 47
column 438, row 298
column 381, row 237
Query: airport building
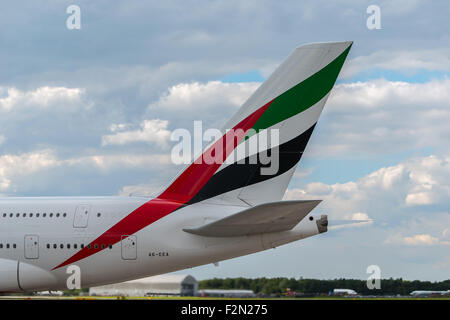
column 227, row 293
column 162, row 285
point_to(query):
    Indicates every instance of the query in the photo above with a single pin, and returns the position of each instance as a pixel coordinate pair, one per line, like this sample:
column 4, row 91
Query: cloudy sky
column 90, row 112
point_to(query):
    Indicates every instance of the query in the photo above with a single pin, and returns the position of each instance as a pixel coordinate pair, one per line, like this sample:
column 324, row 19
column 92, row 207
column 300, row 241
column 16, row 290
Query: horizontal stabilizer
column 264, row 218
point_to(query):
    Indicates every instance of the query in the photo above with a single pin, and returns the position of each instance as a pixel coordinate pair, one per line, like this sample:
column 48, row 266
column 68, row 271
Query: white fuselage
column 38, row 234
column 46, row 242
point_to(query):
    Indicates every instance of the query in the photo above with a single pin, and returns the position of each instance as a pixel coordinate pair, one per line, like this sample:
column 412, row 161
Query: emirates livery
column 212, row 211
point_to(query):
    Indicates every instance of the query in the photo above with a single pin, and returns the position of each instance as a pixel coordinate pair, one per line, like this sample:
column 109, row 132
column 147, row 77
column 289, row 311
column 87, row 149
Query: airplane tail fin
column 255, row 159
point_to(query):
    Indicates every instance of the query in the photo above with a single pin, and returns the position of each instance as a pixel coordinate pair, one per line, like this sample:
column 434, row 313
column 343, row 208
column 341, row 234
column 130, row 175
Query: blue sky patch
column 418, row 76
column 344, row 169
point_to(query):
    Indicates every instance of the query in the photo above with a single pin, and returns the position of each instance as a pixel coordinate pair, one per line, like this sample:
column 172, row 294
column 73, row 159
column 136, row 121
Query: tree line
column 279, row 286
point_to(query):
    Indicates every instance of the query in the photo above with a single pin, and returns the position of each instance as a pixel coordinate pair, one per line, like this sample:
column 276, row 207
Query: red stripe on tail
column 178, row 193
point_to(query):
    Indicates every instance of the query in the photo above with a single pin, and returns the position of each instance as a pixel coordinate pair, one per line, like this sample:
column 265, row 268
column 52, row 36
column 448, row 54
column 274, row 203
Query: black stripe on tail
column 239, row 175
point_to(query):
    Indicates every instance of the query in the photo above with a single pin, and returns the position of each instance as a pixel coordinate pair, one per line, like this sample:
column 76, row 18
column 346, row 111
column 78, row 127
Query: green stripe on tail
column 302, row 96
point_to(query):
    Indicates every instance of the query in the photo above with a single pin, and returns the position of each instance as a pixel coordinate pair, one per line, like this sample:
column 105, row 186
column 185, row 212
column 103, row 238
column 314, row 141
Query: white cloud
column 2, row 138
column 41, row 97
column 13, row 167
column 359, row 216
column 421, row 239
column 151, row 131
column 408, row 62
column 382, row 117
column 302, row 173
column 446, row 233
column 379, row 93
column 395, row 199
column 191, row 37
column 195, row 96
column 108, row 162
column 117, row 127
column 418, row 198
column 400, row 7
column 381, row 193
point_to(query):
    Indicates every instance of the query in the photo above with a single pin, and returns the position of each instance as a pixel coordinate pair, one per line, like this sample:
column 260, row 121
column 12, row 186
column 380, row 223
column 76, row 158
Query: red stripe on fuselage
column 188, row 183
